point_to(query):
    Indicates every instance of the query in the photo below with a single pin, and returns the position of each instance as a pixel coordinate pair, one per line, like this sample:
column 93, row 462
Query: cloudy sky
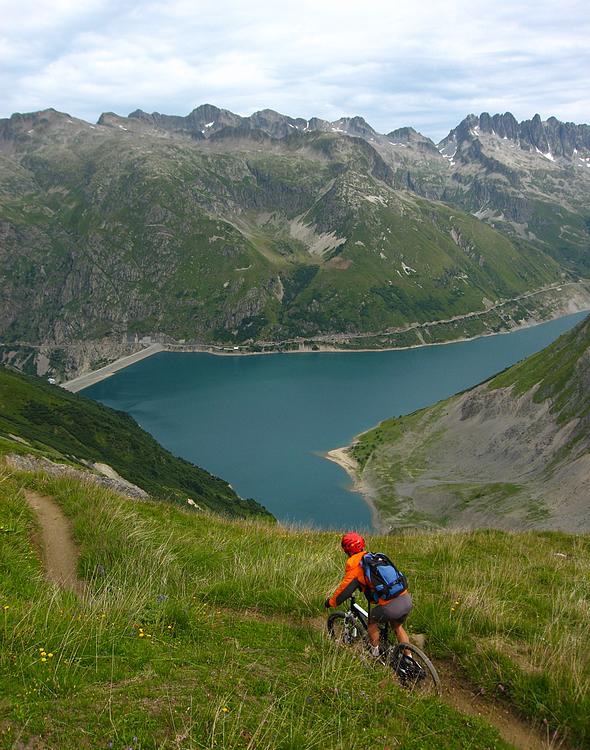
column 423, row 63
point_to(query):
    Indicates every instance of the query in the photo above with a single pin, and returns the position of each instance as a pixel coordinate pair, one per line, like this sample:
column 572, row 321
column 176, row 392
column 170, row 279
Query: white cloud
column 426, row 64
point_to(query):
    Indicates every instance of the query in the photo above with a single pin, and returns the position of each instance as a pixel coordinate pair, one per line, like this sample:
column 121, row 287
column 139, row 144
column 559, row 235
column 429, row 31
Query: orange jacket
column 354, row 578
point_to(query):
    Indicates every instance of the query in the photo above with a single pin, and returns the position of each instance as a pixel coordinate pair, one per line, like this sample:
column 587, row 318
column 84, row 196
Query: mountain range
column 268, row 231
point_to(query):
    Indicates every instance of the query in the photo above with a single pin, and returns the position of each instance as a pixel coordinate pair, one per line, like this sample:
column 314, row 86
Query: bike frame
column 356, row 610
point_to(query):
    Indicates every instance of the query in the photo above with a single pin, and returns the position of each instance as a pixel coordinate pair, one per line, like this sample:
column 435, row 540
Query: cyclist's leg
column 394, row 613
column 400, row 634
column 377, row 624
column 373, row 629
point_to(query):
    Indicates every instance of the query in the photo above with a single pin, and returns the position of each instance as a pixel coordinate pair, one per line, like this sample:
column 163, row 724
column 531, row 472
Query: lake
column 262, row 422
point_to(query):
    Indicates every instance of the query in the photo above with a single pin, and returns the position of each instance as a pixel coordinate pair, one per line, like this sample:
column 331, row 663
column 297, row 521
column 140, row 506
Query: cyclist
column 393, row 611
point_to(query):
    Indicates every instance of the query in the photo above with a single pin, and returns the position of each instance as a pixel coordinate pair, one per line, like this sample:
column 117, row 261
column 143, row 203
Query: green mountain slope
column 43, row 420
column 120, row 230
column 199, row 632
column 513, row 452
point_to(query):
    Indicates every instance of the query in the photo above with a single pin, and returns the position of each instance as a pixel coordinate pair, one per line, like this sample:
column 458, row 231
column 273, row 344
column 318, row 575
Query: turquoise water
column 261, row 422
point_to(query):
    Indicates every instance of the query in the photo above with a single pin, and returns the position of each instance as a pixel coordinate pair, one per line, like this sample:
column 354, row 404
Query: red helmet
column 352, row 543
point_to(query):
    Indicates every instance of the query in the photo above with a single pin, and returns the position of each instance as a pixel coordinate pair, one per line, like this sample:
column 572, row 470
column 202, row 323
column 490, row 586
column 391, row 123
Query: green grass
column 233, row 652
column 390, row 431
column 557, row 372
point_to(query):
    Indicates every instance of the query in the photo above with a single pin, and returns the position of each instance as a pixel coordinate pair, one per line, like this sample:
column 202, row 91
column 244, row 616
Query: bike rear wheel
column 414, row 671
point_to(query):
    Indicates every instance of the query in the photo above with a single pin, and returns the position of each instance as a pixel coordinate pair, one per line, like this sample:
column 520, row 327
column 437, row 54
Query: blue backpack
column 384, row 579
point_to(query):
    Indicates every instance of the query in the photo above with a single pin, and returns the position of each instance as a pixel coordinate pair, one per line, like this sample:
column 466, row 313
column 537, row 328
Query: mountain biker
column 393, row 611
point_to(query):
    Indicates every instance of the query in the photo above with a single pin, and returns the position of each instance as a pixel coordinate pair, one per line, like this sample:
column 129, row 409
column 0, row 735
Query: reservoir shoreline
column 92, row 377
column 342, row 458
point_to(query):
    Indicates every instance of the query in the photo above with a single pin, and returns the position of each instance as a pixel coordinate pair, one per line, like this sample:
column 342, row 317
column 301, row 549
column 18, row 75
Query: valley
column 264, row 423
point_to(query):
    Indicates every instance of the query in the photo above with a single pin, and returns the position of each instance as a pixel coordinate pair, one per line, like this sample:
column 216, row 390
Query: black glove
column 327, row 604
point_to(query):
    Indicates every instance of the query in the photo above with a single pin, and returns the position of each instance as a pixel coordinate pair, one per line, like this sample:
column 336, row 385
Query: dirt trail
column 457, row 692
column 60, row 554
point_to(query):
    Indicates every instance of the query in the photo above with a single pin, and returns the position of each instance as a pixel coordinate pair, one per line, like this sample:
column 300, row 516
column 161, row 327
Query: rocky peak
column 22, row 129
column 467, row 128
column 316, row 123
column 154, row 120
column 45, row 118
column 410, row 137
column 354, row 126
column 208, row 119
column 532, row 135
column 504, row 125
column 276, row 124
column 403, row 135
column 551, row 138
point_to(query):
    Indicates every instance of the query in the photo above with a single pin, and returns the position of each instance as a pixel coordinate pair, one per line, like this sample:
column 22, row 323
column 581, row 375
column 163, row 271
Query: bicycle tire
column 346, row 631
column 421, row 676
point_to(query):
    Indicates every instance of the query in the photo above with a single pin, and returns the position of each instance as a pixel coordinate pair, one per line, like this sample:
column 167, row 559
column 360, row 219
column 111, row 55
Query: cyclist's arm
column 348, row 585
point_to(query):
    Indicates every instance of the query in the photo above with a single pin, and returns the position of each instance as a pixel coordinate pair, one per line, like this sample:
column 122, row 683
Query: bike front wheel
column 414, row 670
column 346, row 630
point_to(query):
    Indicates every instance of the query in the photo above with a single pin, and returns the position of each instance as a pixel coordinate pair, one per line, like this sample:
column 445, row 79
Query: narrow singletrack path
column 512, row 728
column 60, row 554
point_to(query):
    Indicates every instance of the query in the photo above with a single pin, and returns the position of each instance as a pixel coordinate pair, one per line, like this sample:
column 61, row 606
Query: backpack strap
column 370, row 593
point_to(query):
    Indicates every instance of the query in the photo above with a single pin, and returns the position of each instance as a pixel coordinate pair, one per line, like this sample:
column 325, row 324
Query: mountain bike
column 412, row 668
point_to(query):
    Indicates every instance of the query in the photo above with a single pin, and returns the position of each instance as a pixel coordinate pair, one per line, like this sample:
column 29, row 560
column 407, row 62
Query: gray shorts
column 394, row 611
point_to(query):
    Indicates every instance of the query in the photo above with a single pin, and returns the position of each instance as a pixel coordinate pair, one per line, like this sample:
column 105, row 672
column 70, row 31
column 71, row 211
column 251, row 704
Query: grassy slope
column 59, row 425
column 559, row 372
column 233, row 653
column 448, row 277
